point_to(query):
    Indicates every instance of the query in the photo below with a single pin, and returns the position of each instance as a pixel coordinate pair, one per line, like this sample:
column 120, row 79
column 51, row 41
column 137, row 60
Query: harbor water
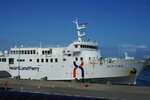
column 144, row 78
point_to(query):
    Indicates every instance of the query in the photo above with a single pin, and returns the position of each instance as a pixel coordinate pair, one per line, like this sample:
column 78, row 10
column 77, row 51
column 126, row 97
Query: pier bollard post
column 6, row 84
column 69, row 85
column 53, row 86
column 86, row 84
column 108, row 83
column 39, row 87
column 82, row 85
column 21, row 88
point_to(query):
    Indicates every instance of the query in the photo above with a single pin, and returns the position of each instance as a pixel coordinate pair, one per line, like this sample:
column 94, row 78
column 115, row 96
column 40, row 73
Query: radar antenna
column 79, row 28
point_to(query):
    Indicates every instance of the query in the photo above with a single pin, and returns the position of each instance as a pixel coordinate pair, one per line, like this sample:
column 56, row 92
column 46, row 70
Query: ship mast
column 79, row 28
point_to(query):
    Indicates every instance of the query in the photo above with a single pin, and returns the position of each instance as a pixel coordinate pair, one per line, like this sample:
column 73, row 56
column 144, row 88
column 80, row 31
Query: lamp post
column 18, row 61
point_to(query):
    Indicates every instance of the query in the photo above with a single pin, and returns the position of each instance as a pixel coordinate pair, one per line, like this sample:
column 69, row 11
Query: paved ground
column 68, row 88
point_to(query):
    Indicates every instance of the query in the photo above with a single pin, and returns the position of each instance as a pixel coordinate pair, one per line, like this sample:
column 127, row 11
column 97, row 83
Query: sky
column 111, row 22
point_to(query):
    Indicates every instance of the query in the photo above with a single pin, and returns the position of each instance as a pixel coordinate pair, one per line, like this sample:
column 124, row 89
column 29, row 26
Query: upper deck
column 78, row 45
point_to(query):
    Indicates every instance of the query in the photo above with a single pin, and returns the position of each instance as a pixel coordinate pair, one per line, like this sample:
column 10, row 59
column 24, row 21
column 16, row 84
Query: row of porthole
column 81, row 59
column 47, row 60
column 2, row 59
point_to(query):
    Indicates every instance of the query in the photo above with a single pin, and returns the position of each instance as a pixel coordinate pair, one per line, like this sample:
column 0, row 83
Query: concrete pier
column 122, row 92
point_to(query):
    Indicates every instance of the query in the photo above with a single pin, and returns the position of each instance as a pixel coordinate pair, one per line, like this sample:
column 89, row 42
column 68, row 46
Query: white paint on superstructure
column 79, row 60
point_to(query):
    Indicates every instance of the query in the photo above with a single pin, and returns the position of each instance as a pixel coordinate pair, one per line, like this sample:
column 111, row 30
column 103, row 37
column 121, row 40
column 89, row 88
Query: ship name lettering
column 24, row 68
column 114, row 66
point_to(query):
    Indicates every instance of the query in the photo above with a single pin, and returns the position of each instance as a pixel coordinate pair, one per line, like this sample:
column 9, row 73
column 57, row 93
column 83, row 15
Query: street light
column 18, row 60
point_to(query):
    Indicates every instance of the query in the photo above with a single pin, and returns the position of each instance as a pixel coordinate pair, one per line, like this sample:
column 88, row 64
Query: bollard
column 21, row 88
column 39, row 87
column 69, row 85
column 53, row 86
column 82, row 85
column 6, row 84
column 86, row 84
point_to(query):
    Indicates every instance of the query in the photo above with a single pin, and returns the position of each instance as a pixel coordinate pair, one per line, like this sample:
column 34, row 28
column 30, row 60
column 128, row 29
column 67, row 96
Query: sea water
column 144, row 77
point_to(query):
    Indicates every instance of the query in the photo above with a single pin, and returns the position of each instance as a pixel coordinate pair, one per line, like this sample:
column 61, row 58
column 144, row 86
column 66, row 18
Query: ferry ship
column 80, row 60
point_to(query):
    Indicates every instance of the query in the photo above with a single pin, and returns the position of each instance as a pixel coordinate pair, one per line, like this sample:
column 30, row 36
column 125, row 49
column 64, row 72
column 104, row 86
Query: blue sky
column 111, row 22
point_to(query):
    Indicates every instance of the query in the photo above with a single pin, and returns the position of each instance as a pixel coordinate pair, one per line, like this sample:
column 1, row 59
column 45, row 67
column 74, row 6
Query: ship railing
column 86, row 41
column 43, row 46
column 108, row 60
column 54, row 46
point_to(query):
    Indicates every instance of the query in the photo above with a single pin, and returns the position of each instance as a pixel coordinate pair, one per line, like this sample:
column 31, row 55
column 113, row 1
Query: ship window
column 46, row 60
column 69, row 54
column 11, row 60
column 89, row 58
column 16, row 52
column 37, row 60
column 21, row 60
column 64, row 59
column 25, row 52
column 0, row 59
column 76, row 59
column 51, row 60
column 64, row 51
column 28, row 52
column 43, row 52
column 89, row 46
column 3, row 59
column 33, row 51
column 19, row 52
column 81, row 58
column 12, row 52
column 42, row 60
column 56, row 60
column 47, row 52
column 50, row 50
column 30, row 60
column 22, row 52
column 76, row 46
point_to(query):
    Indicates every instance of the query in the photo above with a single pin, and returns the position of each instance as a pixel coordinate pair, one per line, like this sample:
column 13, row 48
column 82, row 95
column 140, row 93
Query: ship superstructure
column 79, row 60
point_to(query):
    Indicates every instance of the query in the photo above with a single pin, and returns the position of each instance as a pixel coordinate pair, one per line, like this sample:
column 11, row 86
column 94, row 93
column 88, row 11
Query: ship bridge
column 81, row 44
column 86, row 45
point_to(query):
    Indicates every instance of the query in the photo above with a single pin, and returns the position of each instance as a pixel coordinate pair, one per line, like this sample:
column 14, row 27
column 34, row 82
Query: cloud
column 127, row 48
column 142, row 46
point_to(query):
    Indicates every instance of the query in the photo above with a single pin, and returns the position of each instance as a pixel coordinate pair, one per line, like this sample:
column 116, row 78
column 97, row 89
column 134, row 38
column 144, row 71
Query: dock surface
column 121, row 92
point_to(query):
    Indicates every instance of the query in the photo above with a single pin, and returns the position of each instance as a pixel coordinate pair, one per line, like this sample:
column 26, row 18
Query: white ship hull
column 79, row 60
column 118, row 71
